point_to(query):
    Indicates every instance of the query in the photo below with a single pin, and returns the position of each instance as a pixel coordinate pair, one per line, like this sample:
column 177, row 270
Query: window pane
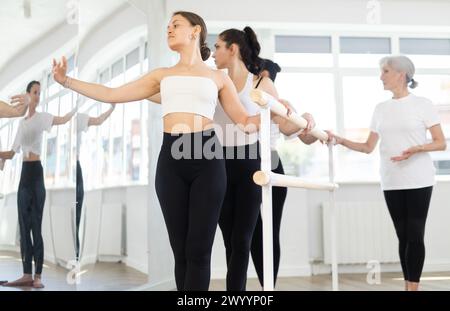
column 360, row 96
column 50, row 142
column 146, row 50
column 144, row 149
column 360, row 60
column 425, row 46
column 133, row 73
column 302, row 44
column 64, row 138
column 118, row 81
column 105, row 76
column 117, row 141
column 104, row 150
column 91, row 152
column 117, row 68
column 133, row 132
column 303, row 51
column 71, row 65
column 355, row 45
column 301, row 90
column 132, row 58
column 303, row 60
column 431, row 61
column 53, row 87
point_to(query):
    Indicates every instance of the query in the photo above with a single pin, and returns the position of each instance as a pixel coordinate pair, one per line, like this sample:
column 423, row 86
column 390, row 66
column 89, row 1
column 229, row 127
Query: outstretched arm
column 17, row 109
column 366, row 147
column 64, row 119
column 101, row 118
column 286, row 127
column 142, row 88
column 7, row 155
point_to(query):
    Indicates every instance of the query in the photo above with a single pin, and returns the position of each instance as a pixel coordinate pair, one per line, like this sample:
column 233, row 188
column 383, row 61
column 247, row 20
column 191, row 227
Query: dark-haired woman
column 190, row 181
column 270, row 69
column 31, row 192
column 238, row 51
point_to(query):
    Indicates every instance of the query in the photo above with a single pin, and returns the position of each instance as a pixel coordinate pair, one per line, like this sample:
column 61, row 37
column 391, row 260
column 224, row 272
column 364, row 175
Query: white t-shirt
column 401, row 124
column 29, row 134
column 82, row 126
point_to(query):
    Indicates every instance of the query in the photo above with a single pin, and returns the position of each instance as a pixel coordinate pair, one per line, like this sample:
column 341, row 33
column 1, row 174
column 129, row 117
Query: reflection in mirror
column 37, row 180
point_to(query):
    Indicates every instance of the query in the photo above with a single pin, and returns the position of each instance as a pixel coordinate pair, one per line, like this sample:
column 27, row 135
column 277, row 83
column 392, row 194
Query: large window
column 116, row 152
column 314, row 93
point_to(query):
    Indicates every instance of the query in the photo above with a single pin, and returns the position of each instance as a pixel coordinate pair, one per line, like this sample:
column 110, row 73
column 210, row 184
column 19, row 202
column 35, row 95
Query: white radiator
column 111, row 230
column 365, row 233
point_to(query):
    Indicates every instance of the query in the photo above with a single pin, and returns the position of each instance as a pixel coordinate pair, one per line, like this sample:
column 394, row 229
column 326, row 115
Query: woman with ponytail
column 238, row 52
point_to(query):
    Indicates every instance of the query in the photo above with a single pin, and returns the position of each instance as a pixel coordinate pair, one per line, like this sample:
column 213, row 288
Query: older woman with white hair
column 407, row 172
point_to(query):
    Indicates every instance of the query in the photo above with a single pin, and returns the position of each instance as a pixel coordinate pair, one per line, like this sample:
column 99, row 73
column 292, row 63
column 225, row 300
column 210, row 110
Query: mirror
column 37, row 143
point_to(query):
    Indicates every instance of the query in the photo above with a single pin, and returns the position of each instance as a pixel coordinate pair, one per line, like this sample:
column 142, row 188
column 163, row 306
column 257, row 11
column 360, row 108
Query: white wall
column 394, row 12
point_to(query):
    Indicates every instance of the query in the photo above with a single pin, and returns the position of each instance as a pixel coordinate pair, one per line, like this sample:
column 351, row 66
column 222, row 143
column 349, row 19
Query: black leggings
column 240, row 212
column 30, row 203
column 191, row 191
column 79, row 206
column 278, row 198
column 409, row 209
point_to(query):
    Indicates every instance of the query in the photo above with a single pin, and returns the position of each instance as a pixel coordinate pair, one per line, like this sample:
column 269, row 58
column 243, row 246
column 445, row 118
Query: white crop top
column 192, row 94
column 29, row 133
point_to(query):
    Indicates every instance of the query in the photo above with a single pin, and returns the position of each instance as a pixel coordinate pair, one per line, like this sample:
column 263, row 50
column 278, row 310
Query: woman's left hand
column 286, row 105
column 311, row 123
column 407, row 154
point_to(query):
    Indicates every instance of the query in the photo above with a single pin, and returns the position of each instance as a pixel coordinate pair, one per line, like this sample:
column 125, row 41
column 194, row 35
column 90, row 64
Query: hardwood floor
column 435, row 281
column 117, row 277
column 96, row 277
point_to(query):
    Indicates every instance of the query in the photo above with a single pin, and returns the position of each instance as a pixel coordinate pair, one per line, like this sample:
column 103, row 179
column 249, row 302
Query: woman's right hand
column 21, row 99
column 59, row 70
column 333, row 138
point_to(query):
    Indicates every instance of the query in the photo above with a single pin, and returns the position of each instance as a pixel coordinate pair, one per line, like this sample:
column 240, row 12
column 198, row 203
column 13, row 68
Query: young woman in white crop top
column 31, row 192
column 190, row 182
column 238, row 52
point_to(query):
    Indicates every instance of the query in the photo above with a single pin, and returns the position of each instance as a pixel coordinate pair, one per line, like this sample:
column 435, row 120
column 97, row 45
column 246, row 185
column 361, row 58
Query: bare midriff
column 32, row 157
column 183, row 122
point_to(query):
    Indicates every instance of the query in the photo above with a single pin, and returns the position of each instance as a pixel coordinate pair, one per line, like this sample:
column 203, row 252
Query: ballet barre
column 267, row 179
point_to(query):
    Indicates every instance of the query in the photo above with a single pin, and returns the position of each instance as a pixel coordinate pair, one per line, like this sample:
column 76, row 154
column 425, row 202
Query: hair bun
column 413, row 84
column 205, row 51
